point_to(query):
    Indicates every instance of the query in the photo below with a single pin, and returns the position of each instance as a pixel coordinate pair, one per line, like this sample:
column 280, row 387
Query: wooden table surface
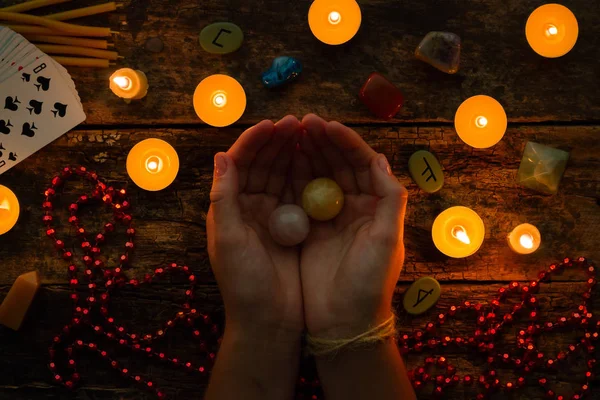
column 553, row 102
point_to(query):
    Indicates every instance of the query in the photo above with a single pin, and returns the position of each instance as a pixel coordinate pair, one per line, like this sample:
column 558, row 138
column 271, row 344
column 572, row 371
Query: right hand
column 350, row 265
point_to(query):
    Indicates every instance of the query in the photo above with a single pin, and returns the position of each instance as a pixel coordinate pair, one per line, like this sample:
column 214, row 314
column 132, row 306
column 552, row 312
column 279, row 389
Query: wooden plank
column 25, row 375
column 171, row 227
column 496, row 60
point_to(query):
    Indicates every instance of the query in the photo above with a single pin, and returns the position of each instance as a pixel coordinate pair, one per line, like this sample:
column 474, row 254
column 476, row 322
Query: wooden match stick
column 55, row 25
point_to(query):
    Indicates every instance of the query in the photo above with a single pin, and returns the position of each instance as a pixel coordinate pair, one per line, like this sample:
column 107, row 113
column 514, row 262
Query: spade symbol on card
column 12, row 156
column 44, row 83
column 4, row 126
column 11, row 104
column 61, row 110
column 25, row 77
column 28, row 129
column 36, row 107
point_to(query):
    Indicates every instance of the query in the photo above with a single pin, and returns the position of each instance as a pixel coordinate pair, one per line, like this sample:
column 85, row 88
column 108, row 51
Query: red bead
column 109, row 227
column 591, row 270
column 130, row 231
column 543, row 276
column 532, row 301
column 513, row 285
column 56, row 181
column 47, row 219
column 550, row 394
column 59, row 244
column 534, row 287
column 66, row 172
column 126, row 219
column 73, row 208
column 521, row 381
column 129, row 245
column 591, row 282
column 381, row 96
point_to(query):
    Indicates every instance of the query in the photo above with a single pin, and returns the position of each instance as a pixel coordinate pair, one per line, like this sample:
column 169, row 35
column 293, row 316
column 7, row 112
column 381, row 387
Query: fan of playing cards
column 38, row 99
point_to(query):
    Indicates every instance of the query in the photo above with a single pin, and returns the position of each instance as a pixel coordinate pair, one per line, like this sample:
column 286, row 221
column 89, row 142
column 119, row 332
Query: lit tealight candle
column 9, row 209
column 480, row 121
column 152, row 164
column 129, row 84
column 525, row 239
column 219, row 100
column 458, row 232
column 552, row 30
column 334, row 21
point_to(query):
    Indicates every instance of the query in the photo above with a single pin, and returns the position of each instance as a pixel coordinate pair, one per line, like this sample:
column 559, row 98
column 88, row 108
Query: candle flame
column 481, row 122
column 334, row 17
column 526, row 241
column 4, row 205
column 461, row 234
column 219, row 99
column 154, row 164
column 123, row 82
column 551, row 30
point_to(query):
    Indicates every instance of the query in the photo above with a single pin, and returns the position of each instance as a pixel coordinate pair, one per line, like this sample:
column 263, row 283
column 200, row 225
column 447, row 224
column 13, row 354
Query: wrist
column 260, row 335
column 353, row 325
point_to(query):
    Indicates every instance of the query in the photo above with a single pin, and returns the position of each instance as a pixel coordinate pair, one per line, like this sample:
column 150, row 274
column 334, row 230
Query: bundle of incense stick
column 69, row 44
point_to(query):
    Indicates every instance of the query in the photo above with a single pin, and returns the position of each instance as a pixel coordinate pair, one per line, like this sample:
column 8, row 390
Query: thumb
column 224, row 194
column 391, row 208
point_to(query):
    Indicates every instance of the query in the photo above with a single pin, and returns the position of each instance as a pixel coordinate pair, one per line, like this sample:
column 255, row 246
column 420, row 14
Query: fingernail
column 220, row 165
column 384, row 165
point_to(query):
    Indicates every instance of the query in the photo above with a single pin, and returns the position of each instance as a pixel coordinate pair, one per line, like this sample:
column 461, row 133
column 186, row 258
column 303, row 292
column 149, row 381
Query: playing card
column 21, row 59
column 37, row 105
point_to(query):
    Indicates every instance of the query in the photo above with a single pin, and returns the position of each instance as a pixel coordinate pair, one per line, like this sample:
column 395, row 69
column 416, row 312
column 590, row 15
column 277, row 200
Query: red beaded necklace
column 102, row 281
column 525, row 358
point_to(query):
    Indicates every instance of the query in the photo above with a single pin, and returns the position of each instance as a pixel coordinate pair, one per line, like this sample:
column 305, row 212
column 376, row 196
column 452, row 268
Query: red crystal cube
column 381, row 96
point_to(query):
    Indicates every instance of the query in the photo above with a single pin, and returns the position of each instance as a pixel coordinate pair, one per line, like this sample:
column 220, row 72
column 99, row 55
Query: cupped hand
column 259, row 280
column 350, row 265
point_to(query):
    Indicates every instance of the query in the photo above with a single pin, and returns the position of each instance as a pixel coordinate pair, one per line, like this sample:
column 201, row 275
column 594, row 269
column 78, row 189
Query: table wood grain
column 553, row 102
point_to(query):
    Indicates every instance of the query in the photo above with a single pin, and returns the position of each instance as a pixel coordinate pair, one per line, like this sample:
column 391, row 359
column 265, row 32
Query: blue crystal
column 283, row 69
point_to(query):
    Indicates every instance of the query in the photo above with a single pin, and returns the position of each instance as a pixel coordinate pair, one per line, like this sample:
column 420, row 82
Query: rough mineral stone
column 283, row 70
column 441, row 50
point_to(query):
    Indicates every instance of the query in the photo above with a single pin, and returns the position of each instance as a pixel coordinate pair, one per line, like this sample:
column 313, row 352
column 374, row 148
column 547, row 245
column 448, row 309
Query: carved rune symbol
column 219, row 35
column 430, row 171
column 419, row 298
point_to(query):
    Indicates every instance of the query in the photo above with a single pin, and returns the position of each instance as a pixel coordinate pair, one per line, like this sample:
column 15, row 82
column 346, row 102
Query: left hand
column 259, row 280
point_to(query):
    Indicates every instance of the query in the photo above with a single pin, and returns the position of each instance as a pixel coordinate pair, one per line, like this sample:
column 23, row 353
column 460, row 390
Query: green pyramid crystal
column 542, row 167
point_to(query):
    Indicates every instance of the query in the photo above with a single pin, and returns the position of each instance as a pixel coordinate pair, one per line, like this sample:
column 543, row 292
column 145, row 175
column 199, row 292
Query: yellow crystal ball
column 323, row 199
